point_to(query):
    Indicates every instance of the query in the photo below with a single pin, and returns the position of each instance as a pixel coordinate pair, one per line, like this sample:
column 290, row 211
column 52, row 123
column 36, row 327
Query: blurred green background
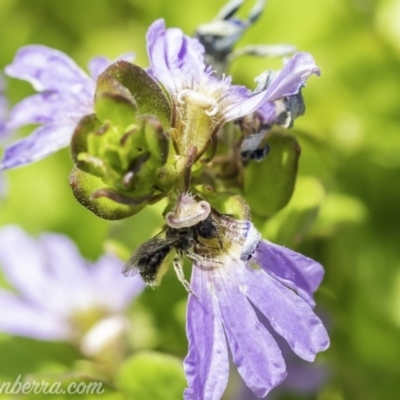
column 346, row 209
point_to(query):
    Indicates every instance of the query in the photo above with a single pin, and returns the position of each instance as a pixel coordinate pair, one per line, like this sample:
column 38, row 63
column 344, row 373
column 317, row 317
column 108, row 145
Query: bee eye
column 206, row 229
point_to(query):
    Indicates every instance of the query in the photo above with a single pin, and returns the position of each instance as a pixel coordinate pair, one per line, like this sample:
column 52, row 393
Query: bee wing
column 152, row 246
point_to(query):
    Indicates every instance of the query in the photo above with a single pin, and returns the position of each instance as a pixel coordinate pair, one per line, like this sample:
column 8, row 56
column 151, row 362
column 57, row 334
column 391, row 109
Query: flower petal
column 108, row 289
column 241, row 102
column 114, row 289
column 67, row 269
column 287, row 82
column 19, row 318
column 156, row 52
column 42, row 142
column 267, row 112
column 206, row 365
column 47, row 107
column 292, row 77
column 288, row 314
column 62, row 256
column 254, row 350
column 300, row 273
column 26, row 270
column 174, row 57
column 47, row 69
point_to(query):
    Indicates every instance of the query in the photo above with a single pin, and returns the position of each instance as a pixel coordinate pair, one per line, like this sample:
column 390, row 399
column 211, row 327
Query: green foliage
column 120, row 151
column 269, row 184
column 124, row 76
column 151, row 375
column 103, row 201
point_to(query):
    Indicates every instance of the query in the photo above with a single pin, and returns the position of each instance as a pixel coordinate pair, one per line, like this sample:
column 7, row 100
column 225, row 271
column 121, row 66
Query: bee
column 152, row 258
column 205, row 243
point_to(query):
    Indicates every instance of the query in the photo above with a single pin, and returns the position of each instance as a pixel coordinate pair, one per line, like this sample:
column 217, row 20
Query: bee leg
column 195, row 257
column 181, row 276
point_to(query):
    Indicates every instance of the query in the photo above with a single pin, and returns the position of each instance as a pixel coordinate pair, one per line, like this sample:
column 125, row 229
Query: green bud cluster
column 121, row 151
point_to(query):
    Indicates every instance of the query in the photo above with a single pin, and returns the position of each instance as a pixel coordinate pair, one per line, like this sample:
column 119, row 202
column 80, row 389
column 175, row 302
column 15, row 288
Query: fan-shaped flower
column 66, row 95
column 59, row 295
column 229, row 283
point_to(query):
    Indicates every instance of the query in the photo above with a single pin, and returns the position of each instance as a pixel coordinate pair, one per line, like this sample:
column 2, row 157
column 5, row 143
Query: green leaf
column 114, row 108
column 290, row 225
column 157, row 142
column 147, row 93
column 151, row 375
column 93, row 194
column 86, row 125
column 269, row 184
column 165, row 178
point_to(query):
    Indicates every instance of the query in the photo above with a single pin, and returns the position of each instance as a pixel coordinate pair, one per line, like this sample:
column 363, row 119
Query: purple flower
column 242, row 276
column 3, row 117
column 282, row 86
column 202, row 103
column 66, row 94
column 57, row 292
column 3, row 107
column 302, row 377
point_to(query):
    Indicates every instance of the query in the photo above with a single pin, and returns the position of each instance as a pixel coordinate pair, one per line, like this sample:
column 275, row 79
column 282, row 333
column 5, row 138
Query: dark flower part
column 290, row 79
column 66, row 95
column 227, row 290
column 287, row 108
column 254, row 152
column 220, row 35
column 283, row 110
column 290, row 108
